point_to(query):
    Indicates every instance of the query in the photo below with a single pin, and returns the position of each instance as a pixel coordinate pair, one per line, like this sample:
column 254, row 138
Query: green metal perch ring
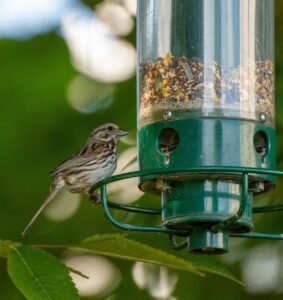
column 151, row 174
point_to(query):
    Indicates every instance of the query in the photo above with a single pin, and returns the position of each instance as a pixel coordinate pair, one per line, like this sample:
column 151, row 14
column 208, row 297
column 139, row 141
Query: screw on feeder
column 167, row 115
column 162, row 185
column 262, row 117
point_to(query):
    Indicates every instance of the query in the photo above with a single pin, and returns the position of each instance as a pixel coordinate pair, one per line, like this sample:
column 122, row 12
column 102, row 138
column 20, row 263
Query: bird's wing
column 82, row 157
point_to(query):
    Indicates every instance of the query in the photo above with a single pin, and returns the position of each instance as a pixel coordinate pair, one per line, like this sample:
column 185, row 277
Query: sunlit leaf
column 203, row 263
column 153, row 248
column 39, row 275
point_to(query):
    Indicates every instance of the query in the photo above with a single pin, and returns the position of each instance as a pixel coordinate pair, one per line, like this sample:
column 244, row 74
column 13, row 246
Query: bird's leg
column 94, row 198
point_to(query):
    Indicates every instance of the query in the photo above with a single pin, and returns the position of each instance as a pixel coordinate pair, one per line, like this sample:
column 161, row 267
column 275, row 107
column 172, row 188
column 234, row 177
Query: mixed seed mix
column 177, row 83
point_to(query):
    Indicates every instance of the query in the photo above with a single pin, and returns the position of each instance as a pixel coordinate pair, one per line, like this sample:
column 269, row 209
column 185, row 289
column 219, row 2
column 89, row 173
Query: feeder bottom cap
column 205, row 241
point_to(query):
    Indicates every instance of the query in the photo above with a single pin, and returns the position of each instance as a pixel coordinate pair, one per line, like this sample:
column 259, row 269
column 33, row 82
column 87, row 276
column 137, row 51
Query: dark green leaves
column 39, row 275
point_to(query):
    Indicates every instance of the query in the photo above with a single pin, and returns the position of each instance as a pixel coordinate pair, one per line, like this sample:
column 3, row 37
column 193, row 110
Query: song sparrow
column 95, row 161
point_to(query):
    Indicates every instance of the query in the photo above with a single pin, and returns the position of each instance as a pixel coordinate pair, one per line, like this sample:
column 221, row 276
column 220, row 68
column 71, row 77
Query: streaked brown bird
column 95, row 161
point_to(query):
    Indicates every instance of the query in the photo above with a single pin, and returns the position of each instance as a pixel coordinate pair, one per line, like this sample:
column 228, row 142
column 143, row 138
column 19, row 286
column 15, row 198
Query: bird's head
column 106, row 133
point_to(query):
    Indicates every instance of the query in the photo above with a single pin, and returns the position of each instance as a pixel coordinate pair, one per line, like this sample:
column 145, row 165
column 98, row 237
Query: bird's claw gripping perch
column 94, row 198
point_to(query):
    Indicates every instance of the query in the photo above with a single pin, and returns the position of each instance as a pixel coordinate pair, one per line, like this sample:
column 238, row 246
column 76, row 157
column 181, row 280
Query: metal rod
column 130, row 227
column 256, row 235
column 175, row 245
column 152, row 173
column 269, row 208
column 133, row 209
column 243, row 201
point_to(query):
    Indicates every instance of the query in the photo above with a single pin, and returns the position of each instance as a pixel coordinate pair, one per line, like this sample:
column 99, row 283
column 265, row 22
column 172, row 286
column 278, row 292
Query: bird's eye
column 110, row 128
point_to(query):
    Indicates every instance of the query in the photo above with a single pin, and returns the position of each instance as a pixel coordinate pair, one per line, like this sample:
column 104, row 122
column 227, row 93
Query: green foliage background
column 39, row 129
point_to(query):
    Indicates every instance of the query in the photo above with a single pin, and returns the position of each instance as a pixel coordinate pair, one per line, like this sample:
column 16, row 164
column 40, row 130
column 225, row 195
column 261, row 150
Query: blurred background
column 67, row 66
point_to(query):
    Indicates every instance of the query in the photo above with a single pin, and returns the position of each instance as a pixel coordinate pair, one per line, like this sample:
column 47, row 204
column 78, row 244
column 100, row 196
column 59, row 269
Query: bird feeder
column 206, row 136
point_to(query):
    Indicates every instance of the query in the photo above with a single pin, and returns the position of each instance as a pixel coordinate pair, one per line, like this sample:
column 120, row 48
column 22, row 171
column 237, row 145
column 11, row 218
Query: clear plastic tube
column 205, row 58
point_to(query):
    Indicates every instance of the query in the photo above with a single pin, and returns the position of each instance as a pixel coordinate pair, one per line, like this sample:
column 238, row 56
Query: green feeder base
column 207, row 206
column 206, row 142
column 204, row 202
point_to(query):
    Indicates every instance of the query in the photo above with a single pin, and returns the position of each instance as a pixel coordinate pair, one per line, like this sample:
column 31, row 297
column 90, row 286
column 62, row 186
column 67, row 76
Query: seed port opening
column 168, row 140
column 261, row 144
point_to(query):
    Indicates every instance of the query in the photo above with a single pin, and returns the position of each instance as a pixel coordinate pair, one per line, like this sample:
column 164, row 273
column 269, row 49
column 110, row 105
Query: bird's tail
column 53, row 192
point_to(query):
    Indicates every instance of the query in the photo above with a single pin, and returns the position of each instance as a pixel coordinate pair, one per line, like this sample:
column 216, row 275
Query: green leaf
column 124, row 247
column 203, row 263
column 153, row 248
column 6, row 247
column 39, row 275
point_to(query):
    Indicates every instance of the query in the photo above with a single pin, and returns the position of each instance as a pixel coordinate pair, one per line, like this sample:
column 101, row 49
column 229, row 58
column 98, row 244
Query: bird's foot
column 94, row 198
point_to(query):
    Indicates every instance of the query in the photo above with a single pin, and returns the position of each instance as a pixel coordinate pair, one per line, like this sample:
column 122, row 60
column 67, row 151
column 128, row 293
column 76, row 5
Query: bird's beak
column 122, row 132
